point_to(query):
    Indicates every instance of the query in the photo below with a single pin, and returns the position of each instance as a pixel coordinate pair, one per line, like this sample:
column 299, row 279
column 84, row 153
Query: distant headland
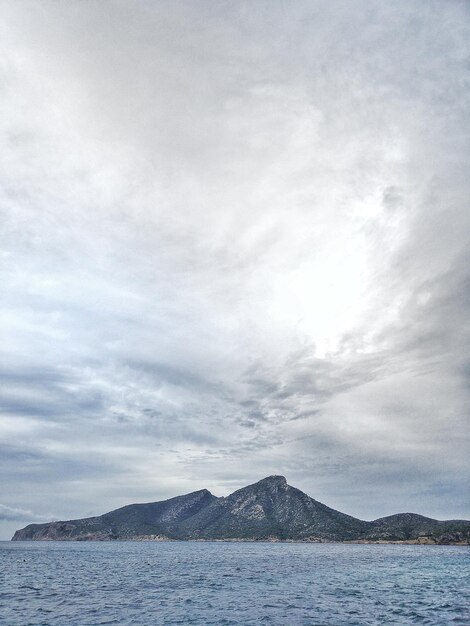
column 269, row 510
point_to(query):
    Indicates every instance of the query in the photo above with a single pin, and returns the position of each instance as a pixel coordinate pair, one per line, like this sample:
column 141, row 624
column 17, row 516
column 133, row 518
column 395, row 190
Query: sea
column 146, row 583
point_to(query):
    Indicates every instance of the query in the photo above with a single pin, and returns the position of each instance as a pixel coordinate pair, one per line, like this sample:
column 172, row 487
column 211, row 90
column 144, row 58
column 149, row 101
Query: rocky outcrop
column 269, row 510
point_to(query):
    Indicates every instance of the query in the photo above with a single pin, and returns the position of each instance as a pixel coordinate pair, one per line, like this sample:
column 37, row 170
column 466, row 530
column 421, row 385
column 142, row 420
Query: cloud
column 8, row 513
column 234, row 242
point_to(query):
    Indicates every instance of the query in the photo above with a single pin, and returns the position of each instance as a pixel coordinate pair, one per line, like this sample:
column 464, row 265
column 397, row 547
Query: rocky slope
column 160, row 519
column 268, row 510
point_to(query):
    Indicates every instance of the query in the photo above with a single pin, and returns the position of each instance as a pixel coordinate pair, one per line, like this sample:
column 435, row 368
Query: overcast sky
column 234, row 242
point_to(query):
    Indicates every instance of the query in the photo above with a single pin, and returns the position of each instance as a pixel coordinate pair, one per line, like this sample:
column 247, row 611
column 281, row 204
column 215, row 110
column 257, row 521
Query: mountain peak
column 270, row 483
column 273, row 480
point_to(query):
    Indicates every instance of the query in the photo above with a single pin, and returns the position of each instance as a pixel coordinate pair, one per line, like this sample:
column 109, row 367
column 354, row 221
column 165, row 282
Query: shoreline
column 421, row 541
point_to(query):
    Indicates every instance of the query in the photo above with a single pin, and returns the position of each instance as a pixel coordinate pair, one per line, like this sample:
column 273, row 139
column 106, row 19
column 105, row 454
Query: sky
column 234, row 242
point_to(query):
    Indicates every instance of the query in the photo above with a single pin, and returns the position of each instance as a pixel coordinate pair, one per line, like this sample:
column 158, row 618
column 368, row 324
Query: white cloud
column 8, row 513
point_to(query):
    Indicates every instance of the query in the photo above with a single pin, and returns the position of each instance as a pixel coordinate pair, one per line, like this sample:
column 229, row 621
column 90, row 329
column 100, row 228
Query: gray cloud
column 234, row 242
column 8, row 513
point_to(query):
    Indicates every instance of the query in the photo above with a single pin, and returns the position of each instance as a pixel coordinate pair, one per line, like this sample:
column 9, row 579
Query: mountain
column 153, row 520
column 267, row 510
column 410, row 526
column 270, row 509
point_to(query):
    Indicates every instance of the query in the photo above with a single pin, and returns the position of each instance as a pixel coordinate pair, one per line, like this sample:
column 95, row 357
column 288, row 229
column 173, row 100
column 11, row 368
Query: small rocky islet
column 269, row 510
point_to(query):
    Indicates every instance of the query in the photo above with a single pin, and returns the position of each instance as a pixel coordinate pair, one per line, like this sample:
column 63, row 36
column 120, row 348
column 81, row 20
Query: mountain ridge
column 268, row 510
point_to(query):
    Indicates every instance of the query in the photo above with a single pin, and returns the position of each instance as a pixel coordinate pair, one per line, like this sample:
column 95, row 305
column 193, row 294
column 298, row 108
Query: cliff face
column 267, row 510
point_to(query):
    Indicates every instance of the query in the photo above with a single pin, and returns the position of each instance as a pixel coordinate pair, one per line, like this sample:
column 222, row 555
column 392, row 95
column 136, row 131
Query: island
column 269, row 510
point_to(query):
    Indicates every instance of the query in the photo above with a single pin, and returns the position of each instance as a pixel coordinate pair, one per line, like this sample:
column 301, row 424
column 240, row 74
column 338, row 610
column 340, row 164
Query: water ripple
column 71, row 584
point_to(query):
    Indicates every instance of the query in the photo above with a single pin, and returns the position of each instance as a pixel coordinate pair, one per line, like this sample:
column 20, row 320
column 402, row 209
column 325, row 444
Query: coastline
column 420, row 541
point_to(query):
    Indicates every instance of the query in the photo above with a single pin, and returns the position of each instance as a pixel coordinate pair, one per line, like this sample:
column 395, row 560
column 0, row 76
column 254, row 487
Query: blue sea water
column 145, row 583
